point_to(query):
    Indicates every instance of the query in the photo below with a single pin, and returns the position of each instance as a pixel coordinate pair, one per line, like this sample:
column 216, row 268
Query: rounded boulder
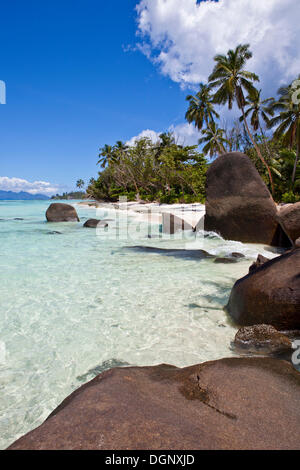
column 60, row 212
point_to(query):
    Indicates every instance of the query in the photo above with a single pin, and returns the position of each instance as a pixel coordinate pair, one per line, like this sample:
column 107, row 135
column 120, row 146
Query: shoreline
column 151, row 212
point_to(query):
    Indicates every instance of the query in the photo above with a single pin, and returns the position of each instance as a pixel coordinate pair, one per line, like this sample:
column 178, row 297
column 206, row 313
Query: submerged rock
column 235, row 403
column 238, row 204
column 60, row 212
column 225, row 260
column 263, row 339
column 176, row 252
column 269, row 294
column 94, row 223
column 238, row 255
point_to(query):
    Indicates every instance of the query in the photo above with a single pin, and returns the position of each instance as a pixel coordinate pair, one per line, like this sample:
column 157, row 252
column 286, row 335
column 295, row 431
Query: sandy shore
column 152, row 212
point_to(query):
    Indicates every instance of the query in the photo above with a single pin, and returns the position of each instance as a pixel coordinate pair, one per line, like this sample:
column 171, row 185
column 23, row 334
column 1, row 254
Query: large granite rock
column 236, row 403
column 270, row 294
column 238, row 203
column 289, row 219
column 262, row 339
column 60, row 212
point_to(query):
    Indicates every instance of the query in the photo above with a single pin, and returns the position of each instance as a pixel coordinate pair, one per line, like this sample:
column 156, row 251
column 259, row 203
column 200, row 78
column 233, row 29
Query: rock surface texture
column 238, row 203
column 270, row 294
column 60, row 212
column 263, row 339
column 236, row 403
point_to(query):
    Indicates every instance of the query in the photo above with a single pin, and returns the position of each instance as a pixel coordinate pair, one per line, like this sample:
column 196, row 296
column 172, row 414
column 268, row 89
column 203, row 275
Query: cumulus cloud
column 182, row 37
column 185, row 134
column 18, row 184
column 152, row 135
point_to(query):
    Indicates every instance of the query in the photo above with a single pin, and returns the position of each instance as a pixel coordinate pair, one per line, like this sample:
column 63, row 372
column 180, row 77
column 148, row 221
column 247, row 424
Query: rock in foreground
column 236, row 403
column 262, row 339
column 270, row 294
column 60, row 212
column 238, row 203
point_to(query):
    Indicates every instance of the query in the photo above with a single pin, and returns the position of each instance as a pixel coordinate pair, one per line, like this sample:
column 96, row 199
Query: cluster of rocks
column 60, row 212
column 240, row 207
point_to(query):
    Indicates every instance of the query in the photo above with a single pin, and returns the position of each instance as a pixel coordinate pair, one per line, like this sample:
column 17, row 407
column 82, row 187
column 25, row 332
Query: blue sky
column 78, row 75
column 71, row 88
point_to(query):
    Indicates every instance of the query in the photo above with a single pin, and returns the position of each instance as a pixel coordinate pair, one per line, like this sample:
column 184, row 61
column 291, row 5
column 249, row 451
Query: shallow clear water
column 76, row 302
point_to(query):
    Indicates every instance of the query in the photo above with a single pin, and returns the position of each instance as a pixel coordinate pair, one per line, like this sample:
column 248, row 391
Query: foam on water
column 74, row 304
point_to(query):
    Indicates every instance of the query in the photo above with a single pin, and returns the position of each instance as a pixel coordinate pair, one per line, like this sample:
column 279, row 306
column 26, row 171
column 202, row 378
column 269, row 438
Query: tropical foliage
column 162, row 170
column 266, row 129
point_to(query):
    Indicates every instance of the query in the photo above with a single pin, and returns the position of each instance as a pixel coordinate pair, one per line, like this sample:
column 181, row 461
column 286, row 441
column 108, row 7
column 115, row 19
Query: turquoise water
column 76, row 302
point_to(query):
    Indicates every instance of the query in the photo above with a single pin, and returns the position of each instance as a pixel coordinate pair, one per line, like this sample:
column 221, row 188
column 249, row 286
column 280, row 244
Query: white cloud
column 152, row 135
column 184, row 36
column 185, row 134
column 18, row 184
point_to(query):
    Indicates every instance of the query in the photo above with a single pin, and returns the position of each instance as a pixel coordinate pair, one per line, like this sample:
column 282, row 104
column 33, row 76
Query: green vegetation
column 163, row 171
column 168, row 172
column 80, row 183
column 71, row 195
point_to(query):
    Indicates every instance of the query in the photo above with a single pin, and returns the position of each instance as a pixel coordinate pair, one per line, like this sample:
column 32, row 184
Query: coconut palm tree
column 288, row 120
column 106, row 155
column 258, row 108
column 232, row 80
column 214, row 139
column 201, row 108
column 80, row 183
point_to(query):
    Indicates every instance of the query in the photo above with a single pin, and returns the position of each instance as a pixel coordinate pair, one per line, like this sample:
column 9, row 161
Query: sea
column 77, row 301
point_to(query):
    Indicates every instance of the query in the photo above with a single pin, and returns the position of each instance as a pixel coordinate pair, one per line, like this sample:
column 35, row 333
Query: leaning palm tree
column 214, row 140
column 232, row 80
column 288, row 120
column 201, row 108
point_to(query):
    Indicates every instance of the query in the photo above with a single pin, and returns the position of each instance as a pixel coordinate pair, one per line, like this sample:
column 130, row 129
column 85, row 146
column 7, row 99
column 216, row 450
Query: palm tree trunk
column 221, row 151
column 297, row 157
column 257, row 149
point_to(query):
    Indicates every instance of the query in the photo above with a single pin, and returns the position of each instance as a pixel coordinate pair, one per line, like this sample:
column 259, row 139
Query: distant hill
column 21, row 196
